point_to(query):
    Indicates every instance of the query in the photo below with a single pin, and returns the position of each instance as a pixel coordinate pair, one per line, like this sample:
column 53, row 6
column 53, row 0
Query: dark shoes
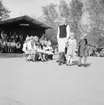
column 84, row 65
column 60, row 64
column 57, row 61
column 68, row 64
column 80, row 65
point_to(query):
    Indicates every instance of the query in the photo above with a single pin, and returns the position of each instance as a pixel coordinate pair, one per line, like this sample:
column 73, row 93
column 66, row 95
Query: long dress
column 71, row 47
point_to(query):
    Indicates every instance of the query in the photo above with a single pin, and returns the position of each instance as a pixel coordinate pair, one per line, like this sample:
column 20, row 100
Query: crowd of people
column 10, row 42
column 37, row 50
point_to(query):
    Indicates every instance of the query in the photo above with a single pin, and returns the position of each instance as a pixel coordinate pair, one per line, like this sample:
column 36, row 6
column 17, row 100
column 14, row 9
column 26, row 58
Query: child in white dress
column 71, row 47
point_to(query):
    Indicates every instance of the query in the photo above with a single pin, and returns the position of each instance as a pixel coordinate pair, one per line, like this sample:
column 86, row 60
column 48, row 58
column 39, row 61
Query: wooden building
column 24, row 25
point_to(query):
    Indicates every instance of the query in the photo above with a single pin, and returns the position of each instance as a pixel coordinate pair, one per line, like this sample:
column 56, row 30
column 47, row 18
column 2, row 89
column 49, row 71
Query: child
column 71, row 47
column 40, row 49
column 25, row 48
column 44, row 55
column 83, row 50
column 49, row 50
column 29, row 49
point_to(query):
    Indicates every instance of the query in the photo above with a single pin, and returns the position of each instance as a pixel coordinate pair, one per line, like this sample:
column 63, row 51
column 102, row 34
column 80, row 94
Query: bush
column 102, row 53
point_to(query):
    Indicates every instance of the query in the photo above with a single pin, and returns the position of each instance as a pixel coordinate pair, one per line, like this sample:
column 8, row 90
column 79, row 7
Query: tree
column 53, row 14
column 4, row 12
column 51, row 18
column 76, row 14
column 96, row 12
column 100, row 42
column 50, row 14
column 64, row 10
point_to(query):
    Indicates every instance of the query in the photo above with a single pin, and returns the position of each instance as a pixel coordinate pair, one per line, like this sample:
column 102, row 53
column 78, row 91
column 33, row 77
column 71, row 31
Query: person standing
column 28, row 48
column 62, row 36
column 71, row 47
column 83, row 51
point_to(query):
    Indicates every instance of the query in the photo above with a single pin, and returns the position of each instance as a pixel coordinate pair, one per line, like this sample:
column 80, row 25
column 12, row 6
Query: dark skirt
column 65, row 50
column 62, row 57
column 83, row 52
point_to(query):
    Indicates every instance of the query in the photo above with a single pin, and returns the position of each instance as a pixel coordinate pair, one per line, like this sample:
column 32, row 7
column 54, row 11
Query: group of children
column 9, row 47
column 37, row 50
column 71, row 49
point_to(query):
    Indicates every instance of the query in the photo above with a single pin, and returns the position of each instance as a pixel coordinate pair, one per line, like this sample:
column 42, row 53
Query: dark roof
column 26, row 18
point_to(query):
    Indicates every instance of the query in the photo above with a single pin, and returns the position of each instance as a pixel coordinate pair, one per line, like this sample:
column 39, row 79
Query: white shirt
column 72, row 43
column 29, row 46
column 62, row 41
column 24, row 47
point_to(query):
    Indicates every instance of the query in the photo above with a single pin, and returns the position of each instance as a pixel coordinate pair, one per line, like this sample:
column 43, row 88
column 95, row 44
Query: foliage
column 96, row 11
column 76, row 14
column 50, row 14
column 50, row 35
column 72, row 12
column 101, row 42
column 4, row 12
column 64, row 10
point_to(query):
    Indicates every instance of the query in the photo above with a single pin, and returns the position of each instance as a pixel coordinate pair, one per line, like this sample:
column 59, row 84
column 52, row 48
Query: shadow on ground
column 11, row 55
column 76, row 63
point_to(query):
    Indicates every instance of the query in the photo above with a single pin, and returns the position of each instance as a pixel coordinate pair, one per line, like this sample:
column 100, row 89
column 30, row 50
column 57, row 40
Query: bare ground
column 28, row 83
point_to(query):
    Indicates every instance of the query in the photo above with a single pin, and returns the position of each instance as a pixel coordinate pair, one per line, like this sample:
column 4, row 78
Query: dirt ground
column 29, row 83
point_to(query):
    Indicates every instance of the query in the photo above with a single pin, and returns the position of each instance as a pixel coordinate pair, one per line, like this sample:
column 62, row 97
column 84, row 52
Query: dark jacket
column 62, row 31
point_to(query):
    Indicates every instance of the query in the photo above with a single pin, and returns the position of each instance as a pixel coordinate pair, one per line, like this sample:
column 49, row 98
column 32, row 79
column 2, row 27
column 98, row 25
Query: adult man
column 62, row 36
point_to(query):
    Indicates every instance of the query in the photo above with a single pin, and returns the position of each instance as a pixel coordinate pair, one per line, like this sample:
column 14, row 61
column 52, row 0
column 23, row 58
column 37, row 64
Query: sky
column 27, row 7
column 33, row 8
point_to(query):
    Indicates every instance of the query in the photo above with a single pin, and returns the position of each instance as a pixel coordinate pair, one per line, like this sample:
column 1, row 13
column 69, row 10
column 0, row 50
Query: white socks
column 69, row 60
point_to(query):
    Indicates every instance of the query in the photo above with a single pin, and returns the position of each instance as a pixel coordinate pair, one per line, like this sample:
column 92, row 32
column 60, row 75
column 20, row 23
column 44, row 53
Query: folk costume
column 71, row 47
column 83, row 50
column 62, row 36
